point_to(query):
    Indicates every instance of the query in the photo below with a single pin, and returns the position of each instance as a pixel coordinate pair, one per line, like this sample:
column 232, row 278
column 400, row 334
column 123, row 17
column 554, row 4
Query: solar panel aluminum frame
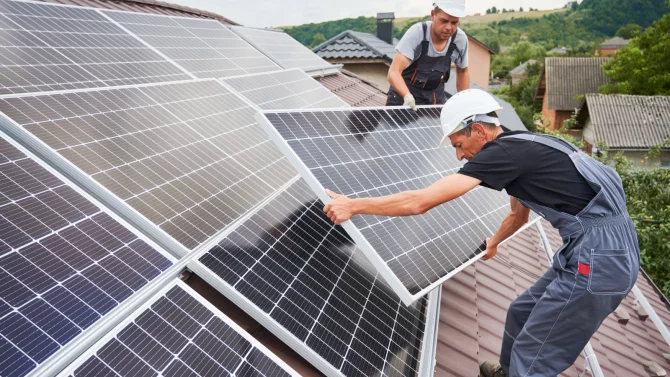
column 95, row 189
column 317, row 70
column 388, row 275
column 69, row 371
column 89, row 336
column 429, row 346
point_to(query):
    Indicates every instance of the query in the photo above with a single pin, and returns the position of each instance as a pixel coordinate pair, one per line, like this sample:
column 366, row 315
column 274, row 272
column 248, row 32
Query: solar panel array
column 205, row 48
column 64, row 262
column 308, row 276
column 189, row 156
column 46, row 47
column 290, row 89
column 281, row 48
column 364, row 153
column 179, row 334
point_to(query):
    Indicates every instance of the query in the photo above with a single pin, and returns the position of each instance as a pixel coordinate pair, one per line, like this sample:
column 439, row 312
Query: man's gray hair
column 467, row 131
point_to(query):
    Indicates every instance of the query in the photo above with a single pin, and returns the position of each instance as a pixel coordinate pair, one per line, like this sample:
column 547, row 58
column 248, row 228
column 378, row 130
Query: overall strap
column 425, row 43
column 549, row 141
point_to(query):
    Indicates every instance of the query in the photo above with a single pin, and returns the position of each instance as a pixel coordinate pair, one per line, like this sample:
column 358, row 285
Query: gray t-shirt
column 414, row 36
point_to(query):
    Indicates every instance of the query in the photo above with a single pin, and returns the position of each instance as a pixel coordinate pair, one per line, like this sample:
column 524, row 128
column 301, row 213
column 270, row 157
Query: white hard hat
column 465, row 108
column 455, row 8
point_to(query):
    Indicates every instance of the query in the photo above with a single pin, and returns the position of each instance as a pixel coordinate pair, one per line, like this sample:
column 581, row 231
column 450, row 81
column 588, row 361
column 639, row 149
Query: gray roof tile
column 616, row 42
column 623, row 121
column 570, row 77
column 353, row 44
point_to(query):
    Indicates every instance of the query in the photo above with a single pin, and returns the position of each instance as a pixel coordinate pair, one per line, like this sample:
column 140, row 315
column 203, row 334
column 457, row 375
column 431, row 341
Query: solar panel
column 281, row 48
column 177, row 333
column 188, row 157
column 291, row 89
column 65, row 263
column 48, row 47
column 363, row 153
column 304, row 279
column 205, row 48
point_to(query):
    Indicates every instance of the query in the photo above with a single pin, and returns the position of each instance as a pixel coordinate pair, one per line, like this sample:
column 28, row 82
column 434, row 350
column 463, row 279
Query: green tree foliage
column 605, row 17
column 574, row 6
column 522, row 95
column 642, row 67
column 305, row 33
column 520, row 9
column 317, row 40
column 519, row 52
column 629, row 31
column 494, row 10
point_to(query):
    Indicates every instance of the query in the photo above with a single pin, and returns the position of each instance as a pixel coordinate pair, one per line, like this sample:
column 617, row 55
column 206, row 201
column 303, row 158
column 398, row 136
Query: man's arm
column 516, row 219
column 462, row 78
column 400, row 62
column 406, row 203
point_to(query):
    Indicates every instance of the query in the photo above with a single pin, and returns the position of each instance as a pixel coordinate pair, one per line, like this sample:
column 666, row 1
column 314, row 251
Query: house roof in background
column 475, row 302
column 558, row 50
column 614, row 43
column 522, row 67
column 567, row 78
column 146, row 6
column 356, row 45
column 354, row 89
column 623, row 121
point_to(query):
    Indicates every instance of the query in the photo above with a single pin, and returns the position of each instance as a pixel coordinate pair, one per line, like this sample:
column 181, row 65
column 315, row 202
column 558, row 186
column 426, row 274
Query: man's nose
column 460, row 155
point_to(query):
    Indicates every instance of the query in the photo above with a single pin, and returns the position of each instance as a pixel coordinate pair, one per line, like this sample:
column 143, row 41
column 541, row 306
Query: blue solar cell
column 13, row 362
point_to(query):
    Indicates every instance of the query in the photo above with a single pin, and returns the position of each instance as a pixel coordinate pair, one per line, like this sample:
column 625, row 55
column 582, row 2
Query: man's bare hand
column 491, row 250
column 339, row 209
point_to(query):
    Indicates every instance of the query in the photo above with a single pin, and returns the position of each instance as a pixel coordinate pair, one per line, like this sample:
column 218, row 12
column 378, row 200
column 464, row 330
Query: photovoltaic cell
column 281, row 48
column 205, row 48
column 291, row 89
column 295, row 267
column 47, row 47
column 64, row 262
column 365, row 153
column 189, row 157
column 178, row 334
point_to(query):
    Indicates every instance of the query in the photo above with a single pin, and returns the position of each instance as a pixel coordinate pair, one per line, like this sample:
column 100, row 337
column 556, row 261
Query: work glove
column 410, row 101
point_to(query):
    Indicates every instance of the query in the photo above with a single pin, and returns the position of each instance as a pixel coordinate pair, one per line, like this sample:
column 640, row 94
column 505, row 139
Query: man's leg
column 518, row 313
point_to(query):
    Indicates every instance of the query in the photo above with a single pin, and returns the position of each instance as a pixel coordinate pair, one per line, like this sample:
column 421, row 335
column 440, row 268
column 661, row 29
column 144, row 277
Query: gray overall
column 548, row 325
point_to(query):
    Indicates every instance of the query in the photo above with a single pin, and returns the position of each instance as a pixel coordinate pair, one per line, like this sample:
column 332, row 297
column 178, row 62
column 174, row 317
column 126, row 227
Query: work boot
column 491, row 369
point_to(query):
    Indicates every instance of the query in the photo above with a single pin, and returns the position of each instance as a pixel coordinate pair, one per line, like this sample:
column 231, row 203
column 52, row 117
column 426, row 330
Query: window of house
column 665, row 164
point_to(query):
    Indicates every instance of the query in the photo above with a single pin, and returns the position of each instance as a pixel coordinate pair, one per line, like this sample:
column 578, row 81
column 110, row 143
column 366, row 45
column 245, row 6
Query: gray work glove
column 410, row 101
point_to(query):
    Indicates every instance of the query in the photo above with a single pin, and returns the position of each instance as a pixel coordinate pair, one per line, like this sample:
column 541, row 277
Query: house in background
column 630, row 124
column 611, row 46
column 370, row 56
column 519, row 72
column 558, row 51
column 563, row 83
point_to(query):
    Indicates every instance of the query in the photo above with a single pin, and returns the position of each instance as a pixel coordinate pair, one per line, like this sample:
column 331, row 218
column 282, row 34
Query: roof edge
column 350, row 34
column 181, row 8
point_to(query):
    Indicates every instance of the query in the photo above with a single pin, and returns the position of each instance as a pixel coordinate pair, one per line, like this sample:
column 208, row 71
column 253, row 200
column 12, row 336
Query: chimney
column 385, row 27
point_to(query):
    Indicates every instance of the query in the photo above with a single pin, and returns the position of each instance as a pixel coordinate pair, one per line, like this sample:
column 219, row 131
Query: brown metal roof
column 475, row 302
column 354, row 89
column 567, row 78
column 146, row 6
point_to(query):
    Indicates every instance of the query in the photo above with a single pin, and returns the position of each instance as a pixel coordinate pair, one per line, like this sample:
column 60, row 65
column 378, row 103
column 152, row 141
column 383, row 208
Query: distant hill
column 592, row 20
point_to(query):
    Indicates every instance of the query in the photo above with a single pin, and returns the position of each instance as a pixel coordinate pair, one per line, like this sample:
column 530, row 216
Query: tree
column 494, row 10
column 642, row 67
column 574, row 6
column 629, row 31
column 520, row 9
column 317, row 40
column 488, row 11
column 607, row 16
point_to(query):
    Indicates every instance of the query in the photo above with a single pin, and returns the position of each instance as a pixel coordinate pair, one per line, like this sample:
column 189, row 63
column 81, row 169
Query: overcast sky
column 264, row 13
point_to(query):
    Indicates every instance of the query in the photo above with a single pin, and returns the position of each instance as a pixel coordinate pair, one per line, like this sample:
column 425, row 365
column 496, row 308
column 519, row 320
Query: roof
column 386, row 16
column 623, row 121
column 356, row 45
column 145, row 6
column 567, row 78
column 508, row 116
column 354, row 89
column 477, row 41
column 522, row 67
column 475, row 302
column 558, row 50
column 614, row 43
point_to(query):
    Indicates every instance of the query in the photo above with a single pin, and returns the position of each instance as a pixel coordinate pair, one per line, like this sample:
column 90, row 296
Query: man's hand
column 491, row 250
column 410, row 101
column 339, row 209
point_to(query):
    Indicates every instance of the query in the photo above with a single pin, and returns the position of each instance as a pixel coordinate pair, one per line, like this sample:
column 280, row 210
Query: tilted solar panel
column 188, row 157
column 304, row 279
column 374, row 152
column 65, row 262
column 290, row 89
column 177, row 333
column 46, row 47
column 282, row 48
column 203, row 47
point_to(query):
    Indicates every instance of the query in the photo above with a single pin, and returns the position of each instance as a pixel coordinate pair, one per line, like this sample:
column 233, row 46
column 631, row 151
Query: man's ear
column 478, row 129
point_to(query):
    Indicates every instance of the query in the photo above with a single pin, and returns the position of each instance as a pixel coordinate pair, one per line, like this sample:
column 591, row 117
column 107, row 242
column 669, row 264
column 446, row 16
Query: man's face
column 468, row 146
column 443, row 25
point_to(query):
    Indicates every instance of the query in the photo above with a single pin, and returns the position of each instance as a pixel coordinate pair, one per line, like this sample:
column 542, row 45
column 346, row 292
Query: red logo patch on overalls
column 583, row 269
